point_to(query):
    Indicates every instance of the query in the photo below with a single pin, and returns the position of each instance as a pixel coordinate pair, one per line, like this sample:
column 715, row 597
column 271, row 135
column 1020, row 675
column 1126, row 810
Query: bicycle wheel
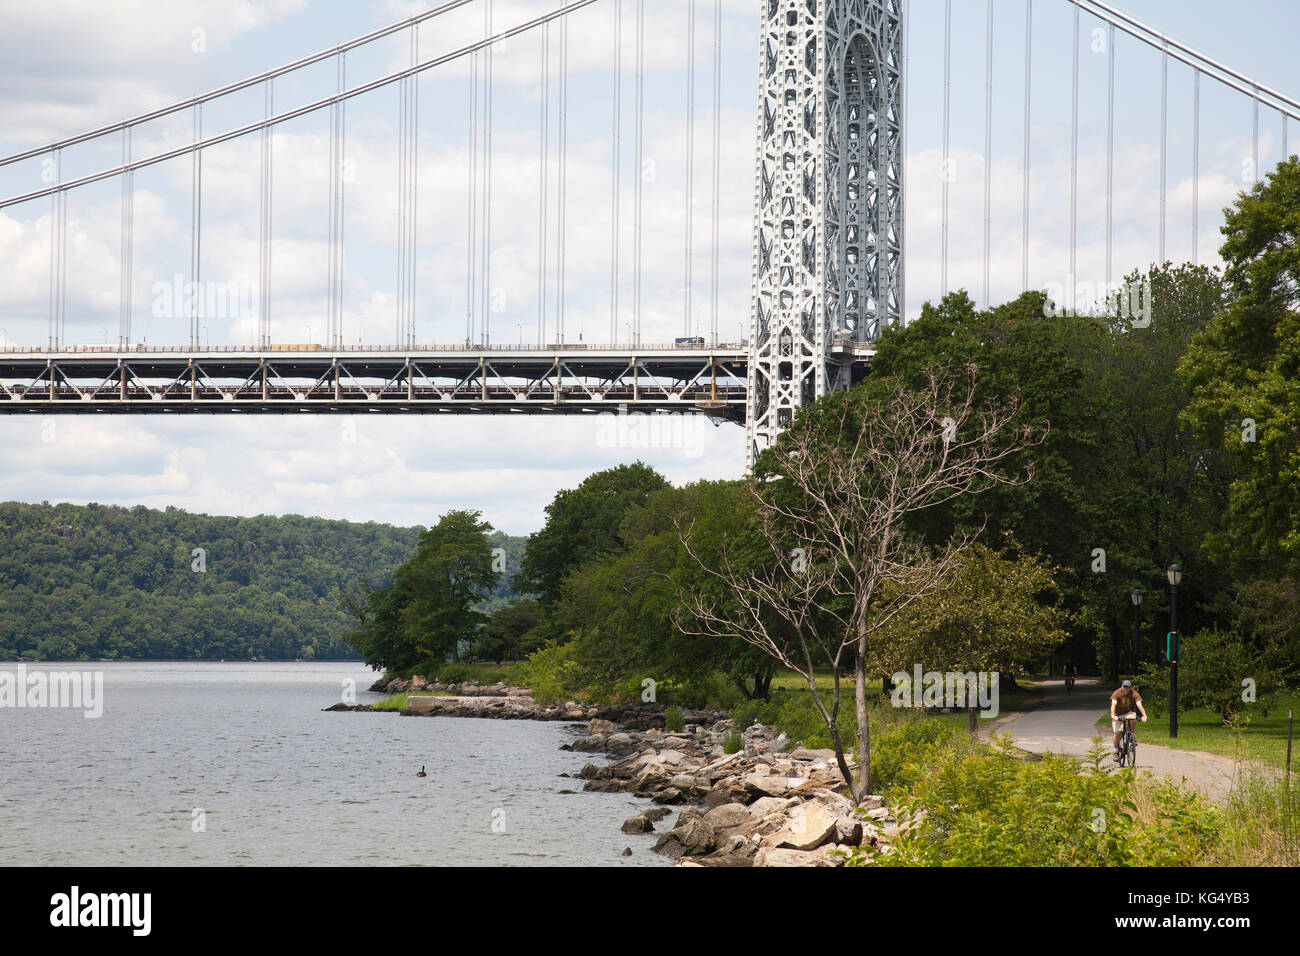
column 1133, row 752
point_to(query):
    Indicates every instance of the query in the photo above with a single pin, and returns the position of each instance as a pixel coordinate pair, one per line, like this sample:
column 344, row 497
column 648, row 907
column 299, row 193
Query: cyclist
column 1123, row 704
column 1069, row 672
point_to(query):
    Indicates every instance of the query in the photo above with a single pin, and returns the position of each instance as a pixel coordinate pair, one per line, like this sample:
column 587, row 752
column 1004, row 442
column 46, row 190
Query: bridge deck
column 288, row 379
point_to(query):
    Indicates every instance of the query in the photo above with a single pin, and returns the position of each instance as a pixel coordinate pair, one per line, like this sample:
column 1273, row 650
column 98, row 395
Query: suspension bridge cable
column 571, row 7
column 244, row 84
column 1186, row 55
column 1024, row 227
column 947, row 76
column 690, row 159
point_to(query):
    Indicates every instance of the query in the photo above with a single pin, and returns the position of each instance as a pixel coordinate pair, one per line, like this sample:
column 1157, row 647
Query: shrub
column 733, row 742
column 553, row 674
column 1211, row 671
column 674, row 720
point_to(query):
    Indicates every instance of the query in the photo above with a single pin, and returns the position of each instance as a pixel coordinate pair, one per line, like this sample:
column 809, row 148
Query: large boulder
column 774, row 856
column 728, row 815
column 693, row 837
column 599, row 726
column 638, row 824
column 762, row 785
column 809, row 826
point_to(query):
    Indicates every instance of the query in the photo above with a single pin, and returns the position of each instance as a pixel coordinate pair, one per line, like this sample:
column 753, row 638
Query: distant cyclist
column 1124, row 705
column 1069, row 672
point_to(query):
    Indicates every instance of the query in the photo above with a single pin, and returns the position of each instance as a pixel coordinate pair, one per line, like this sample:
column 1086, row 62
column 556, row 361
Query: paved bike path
column 1066, row 723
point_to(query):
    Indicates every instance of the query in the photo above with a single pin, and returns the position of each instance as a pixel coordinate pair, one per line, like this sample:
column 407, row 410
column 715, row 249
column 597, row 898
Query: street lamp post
column 1136, row 596
column 1175, row 575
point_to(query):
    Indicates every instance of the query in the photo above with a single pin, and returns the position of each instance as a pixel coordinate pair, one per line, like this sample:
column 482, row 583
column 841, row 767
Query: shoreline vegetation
column 751, row 793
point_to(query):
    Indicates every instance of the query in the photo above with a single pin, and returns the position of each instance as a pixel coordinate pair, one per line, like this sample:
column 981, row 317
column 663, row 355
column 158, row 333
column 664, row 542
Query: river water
column 236, row 764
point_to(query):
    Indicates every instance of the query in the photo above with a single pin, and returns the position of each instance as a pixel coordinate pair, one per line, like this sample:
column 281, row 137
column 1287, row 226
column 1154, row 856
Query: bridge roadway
column 312, row 379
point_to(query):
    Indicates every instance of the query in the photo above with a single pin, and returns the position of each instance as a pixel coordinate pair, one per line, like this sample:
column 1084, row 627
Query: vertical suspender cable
column 1196, row 164
column 717, row 163
column 471, row 244
column 487, row 179
column 615, row 163
column 413, row 218
column 337, row 340
column 1164, row 136
column 640, row 172
column 128, row 231
column 947, row 78
column 988, row 147
column 55, row 200
column 1254, row 134
column 1074, row 163
column 562, row 198
column 400, row 312
column 543, row 161
column 335, row 176
column 690, row 159
column 196, row 227
column 1110, row 149
column 1024, row 226
column 264, row 237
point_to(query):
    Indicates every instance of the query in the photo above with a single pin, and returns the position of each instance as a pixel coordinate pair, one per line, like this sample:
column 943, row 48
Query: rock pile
column 760, row 806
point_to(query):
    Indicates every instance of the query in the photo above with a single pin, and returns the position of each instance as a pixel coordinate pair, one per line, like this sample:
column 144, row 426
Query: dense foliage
column 101, row 582
column 432, row 603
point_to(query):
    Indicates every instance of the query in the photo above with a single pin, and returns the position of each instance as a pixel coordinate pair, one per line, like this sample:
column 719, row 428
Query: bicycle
column 1069, row 684
column 1128, row 746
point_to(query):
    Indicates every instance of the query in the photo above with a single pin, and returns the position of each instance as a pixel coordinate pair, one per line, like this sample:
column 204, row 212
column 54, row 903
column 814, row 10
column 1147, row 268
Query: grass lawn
column 398, row 701
column 1260, row 737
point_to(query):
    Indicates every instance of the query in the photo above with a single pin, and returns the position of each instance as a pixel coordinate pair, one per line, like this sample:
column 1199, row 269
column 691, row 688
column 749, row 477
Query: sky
column 66, row 67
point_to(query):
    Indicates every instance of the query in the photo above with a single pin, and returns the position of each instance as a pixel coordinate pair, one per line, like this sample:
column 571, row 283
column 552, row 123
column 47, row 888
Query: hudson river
column 235, row 764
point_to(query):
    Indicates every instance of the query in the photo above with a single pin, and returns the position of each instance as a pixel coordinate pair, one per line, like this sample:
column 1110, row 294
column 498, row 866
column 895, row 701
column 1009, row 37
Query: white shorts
column 1117, row 723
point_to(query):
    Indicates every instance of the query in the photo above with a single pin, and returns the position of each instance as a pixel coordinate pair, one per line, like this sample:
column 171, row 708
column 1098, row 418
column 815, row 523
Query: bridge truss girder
column 323, row 382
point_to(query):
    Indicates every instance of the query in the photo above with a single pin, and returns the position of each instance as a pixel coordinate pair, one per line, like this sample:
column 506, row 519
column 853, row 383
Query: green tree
column 442, row 584
column 582, row 524
column 996, row 615
column 1243, row 372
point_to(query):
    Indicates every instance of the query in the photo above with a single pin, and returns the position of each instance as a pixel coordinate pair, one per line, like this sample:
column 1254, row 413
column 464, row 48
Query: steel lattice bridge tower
column 828, row 231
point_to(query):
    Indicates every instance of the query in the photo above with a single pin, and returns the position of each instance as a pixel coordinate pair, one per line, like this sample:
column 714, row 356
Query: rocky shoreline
column 764, row 805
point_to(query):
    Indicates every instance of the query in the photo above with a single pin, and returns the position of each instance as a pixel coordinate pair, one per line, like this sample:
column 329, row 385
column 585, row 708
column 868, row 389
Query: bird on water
column 422, row 773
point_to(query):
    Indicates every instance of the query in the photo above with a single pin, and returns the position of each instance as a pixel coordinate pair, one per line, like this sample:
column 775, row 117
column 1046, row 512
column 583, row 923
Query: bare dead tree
column 833, row 495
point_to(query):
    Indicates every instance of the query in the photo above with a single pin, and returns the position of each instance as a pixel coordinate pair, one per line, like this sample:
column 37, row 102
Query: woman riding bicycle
column 1123, row 704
